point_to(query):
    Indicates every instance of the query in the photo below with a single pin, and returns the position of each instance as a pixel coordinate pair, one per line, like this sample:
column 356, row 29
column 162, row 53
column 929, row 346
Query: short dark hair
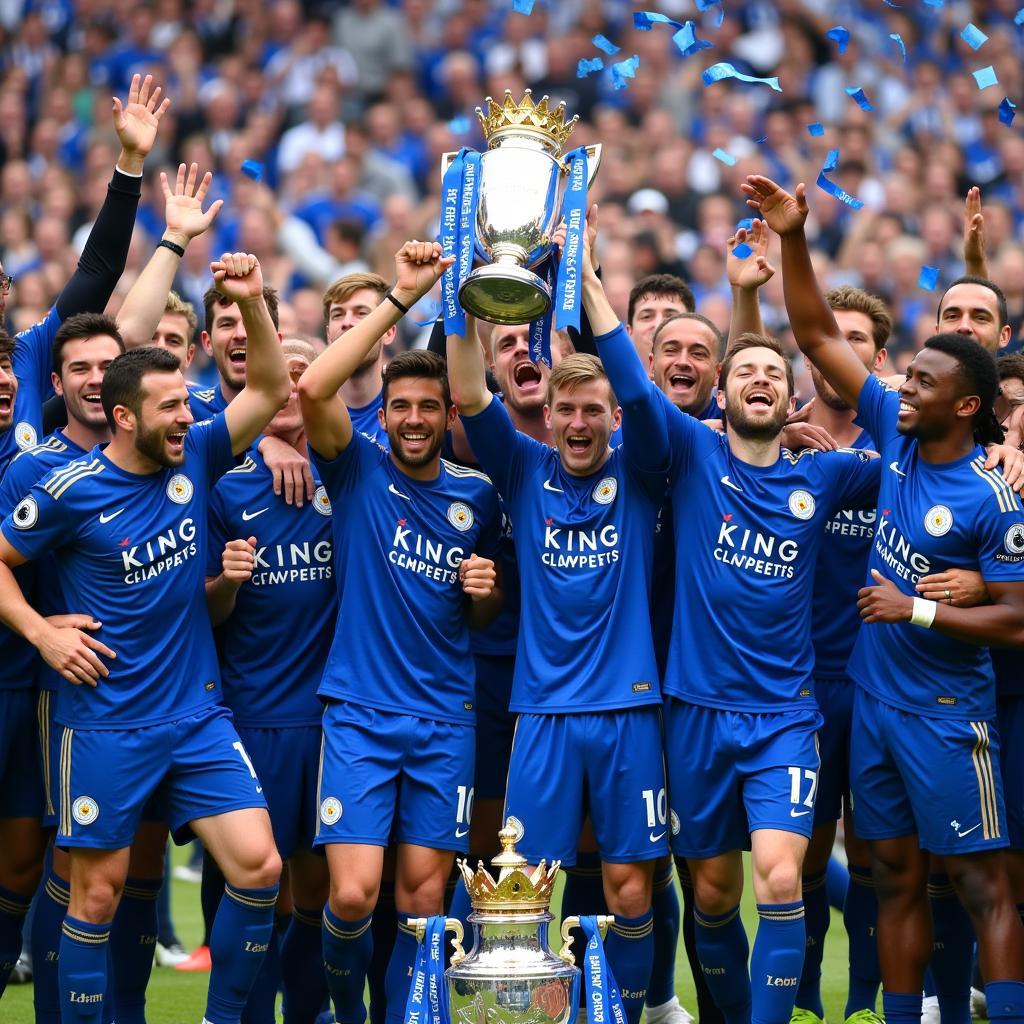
column 416, row 363
column 82, row 325
column 979, row 376
column 122, row 383
column 213, row 298
column 751, row 340
column 6, row 345
column 660, row 284
column 699, row 318
column 1011, row 366
column 856, row 300
column 1004, row 316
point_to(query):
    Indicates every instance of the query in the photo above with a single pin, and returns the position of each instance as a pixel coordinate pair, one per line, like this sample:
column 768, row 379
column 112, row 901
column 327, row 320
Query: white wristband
column 924, row 612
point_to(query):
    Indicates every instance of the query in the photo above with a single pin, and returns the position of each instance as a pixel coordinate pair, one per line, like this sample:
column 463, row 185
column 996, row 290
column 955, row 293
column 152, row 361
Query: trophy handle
column 565, row 953
column 451, row 924
column 593, row 162
column 447, row 158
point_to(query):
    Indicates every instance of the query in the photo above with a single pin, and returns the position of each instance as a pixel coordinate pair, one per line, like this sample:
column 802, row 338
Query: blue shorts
column 938, row 777
column 49, row 753
column 495, row 724
column 731, row 773
column 609, row 764
column 835, row 701
column 287, row 760
column 389, row 778
column 1010, row 721
column 193, row 768
column 21, row 782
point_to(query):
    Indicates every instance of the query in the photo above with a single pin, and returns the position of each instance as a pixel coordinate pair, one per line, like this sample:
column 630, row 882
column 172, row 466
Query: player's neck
column 530, row 423
column 228, row 393
column 363, row 386
column 951, row 448
column 423, row 474
column 838, row 422
column 294, row 438
column 754, row 451
column 84, row 436
column 122, row 453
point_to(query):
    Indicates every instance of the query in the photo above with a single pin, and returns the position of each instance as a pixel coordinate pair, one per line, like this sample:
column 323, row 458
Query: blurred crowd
column 342, row 111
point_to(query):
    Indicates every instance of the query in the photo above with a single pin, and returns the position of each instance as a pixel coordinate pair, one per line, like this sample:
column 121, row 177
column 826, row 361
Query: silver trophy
column 510, row 976
column 522, row 182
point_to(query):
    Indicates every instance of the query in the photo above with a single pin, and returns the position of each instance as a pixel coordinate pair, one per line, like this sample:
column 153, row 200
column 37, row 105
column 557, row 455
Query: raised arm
column 237, row 276
column 183, row 211
column 975, row 260
column 467, row 371
column 810, row 316
column 419, row 266
column 747, row 275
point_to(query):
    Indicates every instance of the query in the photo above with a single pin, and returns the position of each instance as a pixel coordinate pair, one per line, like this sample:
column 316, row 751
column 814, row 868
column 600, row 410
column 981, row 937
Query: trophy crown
column 536, row 118
column 514, row 892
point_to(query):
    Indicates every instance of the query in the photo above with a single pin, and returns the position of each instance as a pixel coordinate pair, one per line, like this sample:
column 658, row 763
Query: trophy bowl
column 522, row 184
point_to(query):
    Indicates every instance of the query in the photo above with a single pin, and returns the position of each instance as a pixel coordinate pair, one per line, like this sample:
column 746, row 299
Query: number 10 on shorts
column 797, row 776
column 661, row 805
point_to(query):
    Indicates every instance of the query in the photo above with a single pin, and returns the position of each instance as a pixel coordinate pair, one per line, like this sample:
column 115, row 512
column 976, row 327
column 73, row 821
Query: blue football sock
column 860, row 915
column 776, row 962
column 260, row 1007
column 707, row 1009
column 82, row 970
column 723, row 950
column 1005, row 1001
column 837, row 881
column 132, row 944
column 239, row 941
column 383, row 929
column 630, row 949
column 901, row 1007
column 13, row 909
column 302, row 967
column 952, row 955
column 583, row 894
column 665, row 904
column 347, row 949
column 817, row 915
column 44, row 944
column 400, row 969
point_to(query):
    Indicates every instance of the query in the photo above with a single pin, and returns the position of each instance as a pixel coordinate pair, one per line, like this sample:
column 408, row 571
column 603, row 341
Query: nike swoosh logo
column 259, row 789
column 394, row 490
column 104, row 518
column 729, row 483
column 553, row 490
column 246, row 516
column 797, row 814
column 967, row 832
column 459, row 833
column 895, row 467
column 655, row 838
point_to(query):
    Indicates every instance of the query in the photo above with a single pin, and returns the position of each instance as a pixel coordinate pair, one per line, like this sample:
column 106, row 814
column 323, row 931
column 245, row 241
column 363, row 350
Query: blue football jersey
column 38, row 579
column 205, row 403
column 274, row 645
column 933, row 517
column 130, row 550
column 584, row 547
column 401, row 642
column 32, row 363
column 366, row 421
column 747, row 542
column 842, row 561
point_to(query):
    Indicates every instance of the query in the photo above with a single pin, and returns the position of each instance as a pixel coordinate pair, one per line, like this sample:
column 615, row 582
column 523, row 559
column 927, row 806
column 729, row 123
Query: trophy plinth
column 505, row 292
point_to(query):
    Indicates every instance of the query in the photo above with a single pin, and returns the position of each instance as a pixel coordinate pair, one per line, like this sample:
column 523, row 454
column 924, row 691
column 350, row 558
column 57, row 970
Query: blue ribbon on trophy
column 604, row 1001
column 459, row 196
column 428, row 993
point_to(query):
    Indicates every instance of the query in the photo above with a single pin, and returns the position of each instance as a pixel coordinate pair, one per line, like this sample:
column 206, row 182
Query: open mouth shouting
column 6, row 403
column 236, row 356
column 681, row 382
column 579, row 444
column 527, row 378
column 759, row 398
column 176, row 442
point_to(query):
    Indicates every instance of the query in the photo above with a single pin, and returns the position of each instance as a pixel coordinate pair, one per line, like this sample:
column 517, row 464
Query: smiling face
column 163, row 419
column 684, row 364
column 226, row 343
column 757, row 394
column 931, row 399
column 415, row 419
column 84, row 361
column 8, row 391
column 523, row 383
column 973, row 310
column 650, row 310
column 581, row 420
column 173, row 334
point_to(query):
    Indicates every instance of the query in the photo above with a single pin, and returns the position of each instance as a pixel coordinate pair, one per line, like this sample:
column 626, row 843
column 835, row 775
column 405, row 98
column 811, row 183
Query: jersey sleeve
column 32, row 360
column 501, row 450
column 342, row 473
column 686, row 437
column 856, row 479
column 491, row 539
column 216, row 534
column 210, row 442
column 38, row 523
column 878, row 407
column 999, row 531
column 17, row 482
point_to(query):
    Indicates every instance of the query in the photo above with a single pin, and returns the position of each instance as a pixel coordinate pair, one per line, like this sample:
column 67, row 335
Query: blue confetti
column 706, row 5
column 523, row 6
column 986, row 77
column 623, row 70
column 857, row 95
column 747, row 223
column 252, row 169
column 935, row 3
column 928, row 278
column 817, row 129
column 742, row 251
column 687, row 42
column 831, row 162
column 898, row 40
column 604, row 44
column 724, row 69
column 588, row 67
column 973, row 36
column 726, row 158
column 1006, row 110
column 1018, row 18
column 459, row 125
column 644, row 21
column 889, row 3
column 841, row 36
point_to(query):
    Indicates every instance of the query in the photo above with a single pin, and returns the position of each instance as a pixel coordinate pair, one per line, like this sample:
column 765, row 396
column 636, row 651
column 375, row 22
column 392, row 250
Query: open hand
column 755, row 270
column 784, row 213
column 183, row 209
column 136, row 124
column 72, row 652
column 962, row 588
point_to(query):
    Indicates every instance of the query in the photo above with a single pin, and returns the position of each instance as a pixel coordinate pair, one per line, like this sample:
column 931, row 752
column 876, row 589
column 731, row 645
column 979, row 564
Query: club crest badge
column 180, row 489
column 938, row 520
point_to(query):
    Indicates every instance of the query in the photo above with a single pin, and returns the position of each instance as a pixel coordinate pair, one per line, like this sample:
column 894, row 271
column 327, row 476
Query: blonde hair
column 576, row 370
column 176, row 304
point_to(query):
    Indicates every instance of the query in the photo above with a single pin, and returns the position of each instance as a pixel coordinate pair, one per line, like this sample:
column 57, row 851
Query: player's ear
column 58, row 387
column 547, row 415
column 381, row 418
column 207, row 347
column 720, row 398
column 124, row 418
column 616, row 418
column 450, row 417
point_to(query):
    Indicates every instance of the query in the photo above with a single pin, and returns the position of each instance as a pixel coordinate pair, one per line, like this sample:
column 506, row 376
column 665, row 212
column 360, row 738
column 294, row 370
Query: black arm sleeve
column 103, row 259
